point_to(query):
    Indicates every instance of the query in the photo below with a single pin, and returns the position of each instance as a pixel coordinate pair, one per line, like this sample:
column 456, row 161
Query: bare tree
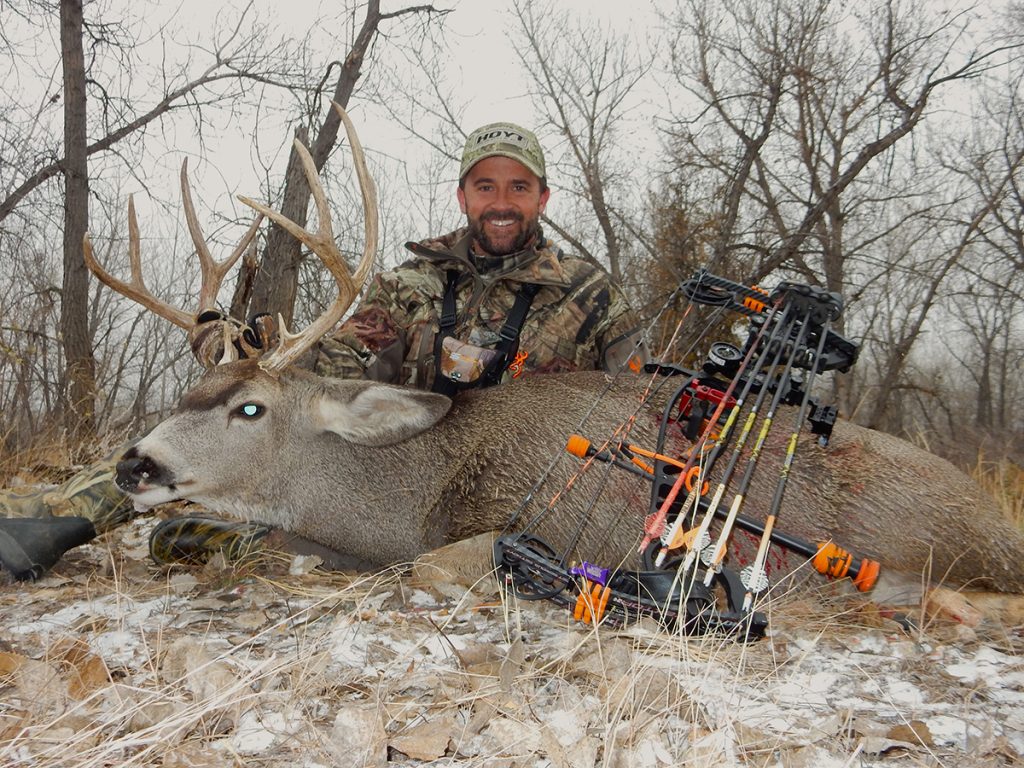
column 275, row 284
column 797, row 106
column 987, row 337
column 422, row 94
column 793, row 110
column 581, row 80
column 30, row 348
column 242, row 52
column 75, row 296
column 98, row 119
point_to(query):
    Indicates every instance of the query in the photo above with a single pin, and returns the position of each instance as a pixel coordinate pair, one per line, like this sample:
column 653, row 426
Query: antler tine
column 135, row 290
column 213, row 271
column 322, row 244
column 369, row 192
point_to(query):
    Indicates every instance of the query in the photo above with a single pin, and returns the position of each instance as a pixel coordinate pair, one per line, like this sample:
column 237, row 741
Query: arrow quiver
column 685, row 583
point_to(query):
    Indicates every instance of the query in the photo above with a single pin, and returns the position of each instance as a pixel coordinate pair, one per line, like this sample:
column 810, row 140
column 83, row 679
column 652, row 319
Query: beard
column 503, row 243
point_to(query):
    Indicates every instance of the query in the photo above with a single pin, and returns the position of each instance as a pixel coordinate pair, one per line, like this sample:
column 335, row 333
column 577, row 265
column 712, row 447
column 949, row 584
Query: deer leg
column 331, row 560
column 972, row 608
column 464, row 562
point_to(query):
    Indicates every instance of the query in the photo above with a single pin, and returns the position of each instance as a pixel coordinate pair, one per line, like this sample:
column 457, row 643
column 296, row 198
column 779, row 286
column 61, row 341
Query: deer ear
column 382, row 414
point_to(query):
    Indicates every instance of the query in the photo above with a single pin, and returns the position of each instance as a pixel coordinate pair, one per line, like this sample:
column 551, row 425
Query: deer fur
column 383, row 474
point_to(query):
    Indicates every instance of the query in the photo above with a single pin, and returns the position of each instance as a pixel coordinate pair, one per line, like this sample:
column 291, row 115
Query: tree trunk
column 983, row 410
column 276, row 283
column 80, row 387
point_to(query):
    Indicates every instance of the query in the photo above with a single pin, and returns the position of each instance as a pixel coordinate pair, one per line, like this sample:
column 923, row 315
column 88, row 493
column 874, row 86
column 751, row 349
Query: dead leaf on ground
column 40, row 688
column 358, row 737
column 426, row 741
column 512, row 663
column 10, row 663
column 914, row 732
column 84, row 671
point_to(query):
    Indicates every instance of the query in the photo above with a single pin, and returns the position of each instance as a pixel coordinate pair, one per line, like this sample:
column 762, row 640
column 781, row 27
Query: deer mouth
column 146, row 498
column 148, row 482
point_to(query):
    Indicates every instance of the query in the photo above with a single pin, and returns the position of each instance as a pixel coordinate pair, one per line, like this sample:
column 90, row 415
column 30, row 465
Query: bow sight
column 685, row 583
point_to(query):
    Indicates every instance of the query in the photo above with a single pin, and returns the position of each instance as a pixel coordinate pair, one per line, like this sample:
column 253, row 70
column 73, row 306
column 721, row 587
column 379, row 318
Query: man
column 485, row 304
column 491, row 301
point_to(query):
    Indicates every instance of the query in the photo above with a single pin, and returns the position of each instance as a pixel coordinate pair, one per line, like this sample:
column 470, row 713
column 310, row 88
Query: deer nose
column 134, row 469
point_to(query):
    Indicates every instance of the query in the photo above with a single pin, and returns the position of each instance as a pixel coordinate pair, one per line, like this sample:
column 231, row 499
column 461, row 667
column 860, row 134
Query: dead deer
column 384, row 473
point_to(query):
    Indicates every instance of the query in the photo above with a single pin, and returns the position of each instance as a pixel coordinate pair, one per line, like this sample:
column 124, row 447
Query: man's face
column 503, row 201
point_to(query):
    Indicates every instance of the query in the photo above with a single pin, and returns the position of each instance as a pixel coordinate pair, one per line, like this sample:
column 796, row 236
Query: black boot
column 195, row 539
column 30, row 546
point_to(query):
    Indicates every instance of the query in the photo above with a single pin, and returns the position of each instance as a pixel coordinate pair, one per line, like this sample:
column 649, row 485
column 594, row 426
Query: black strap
column 442, row 384
column 448, row 316
column 508, row 337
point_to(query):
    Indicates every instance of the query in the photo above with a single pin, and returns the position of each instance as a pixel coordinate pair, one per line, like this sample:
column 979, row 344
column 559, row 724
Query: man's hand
column 213, row 330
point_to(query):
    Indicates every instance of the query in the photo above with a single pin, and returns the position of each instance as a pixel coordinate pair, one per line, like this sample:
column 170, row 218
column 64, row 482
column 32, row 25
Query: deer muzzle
column 137, row 473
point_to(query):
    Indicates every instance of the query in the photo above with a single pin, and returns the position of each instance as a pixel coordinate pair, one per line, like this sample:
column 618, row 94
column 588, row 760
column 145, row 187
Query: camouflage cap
column 504, row 140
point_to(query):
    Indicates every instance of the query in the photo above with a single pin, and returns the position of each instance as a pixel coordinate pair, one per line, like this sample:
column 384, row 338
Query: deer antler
column 213, row 272
column 322, row 244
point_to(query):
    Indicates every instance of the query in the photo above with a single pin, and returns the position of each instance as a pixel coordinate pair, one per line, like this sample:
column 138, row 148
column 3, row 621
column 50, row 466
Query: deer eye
column 250, row 411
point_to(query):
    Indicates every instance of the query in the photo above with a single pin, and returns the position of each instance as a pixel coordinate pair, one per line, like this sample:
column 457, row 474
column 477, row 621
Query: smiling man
column 493, row 300
column 503, row 196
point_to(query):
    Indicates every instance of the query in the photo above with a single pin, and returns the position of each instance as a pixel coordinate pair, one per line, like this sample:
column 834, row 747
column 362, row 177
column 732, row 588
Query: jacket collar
column 538, row 263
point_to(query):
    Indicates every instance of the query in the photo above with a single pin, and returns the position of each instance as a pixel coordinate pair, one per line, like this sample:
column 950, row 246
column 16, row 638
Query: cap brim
column 511, row 155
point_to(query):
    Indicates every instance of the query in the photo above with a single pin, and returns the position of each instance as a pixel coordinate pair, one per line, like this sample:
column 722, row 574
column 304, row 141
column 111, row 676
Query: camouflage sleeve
column 370, row 344
column 621, row 340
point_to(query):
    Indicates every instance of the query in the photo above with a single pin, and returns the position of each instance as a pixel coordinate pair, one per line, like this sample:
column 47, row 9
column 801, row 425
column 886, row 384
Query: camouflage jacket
column 578, row 319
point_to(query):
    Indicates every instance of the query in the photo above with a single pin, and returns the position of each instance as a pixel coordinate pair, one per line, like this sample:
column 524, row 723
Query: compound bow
column 790, row 332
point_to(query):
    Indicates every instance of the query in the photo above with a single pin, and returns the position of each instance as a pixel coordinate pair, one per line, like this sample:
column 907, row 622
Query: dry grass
column 114, row 661
column 78, row 698
column 50, row 459
column 1005, row 481
column 46, row 460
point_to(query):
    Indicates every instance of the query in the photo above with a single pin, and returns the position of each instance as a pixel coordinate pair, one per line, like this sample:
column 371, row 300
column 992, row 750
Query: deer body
column 381, row 491
column 383, row 474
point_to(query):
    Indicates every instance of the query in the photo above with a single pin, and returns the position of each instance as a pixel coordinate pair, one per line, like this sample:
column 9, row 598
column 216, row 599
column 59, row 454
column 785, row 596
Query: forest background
column 875, row 149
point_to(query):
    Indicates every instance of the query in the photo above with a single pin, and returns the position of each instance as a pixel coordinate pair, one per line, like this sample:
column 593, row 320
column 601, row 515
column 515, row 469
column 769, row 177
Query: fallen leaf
column 879, row 745
column 511, row 664
column 426, row 741
column 915, row 732
column 358, row 737
column 11, row 663
column 40, row 688
column 85, row 672
column 250, row 619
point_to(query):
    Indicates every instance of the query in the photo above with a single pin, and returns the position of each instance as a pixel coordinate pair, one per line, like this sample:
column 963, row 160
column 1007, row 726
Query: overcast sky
column 483, row 68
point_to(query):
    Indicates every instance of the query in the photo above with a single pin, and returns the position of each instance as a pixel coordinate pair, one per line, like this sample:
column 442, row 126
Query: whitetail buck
column 384, row 473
